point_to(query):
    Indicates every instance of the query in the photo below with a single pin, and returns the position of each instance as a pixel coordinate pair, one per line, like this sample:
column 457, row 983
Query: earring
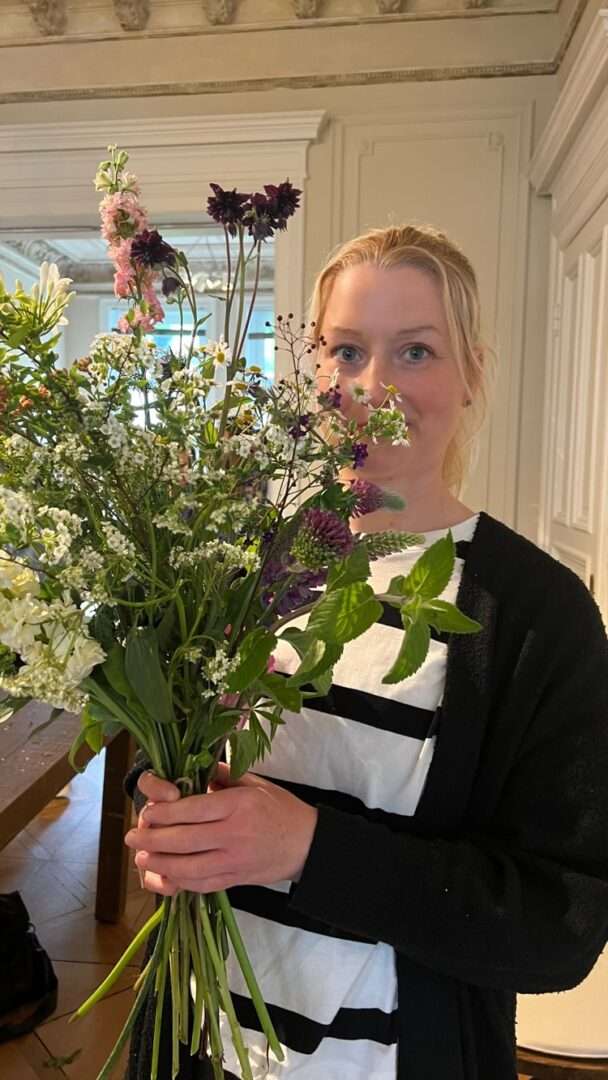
column 467, row 403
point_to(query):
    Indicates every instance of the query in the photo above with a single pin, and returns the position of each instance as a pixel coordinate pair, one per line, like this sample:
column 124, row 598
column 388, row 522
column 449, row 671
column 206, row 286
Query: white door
column 574, row 501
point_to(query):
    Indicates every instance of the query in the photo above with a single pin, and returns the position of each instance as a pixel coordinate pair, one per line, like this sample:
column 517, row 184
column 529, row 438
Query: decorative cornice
column 298, row 126
column 50, row 16
column 582, row 89
column 306, row 9
column 132, row 14
column 389, row 7
column 219, row 12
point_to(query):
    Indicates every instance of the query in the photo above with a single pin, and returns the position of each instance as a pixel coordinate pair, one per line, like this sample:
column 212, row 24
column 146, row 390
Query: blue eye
column 345, row 349
column 418, row 349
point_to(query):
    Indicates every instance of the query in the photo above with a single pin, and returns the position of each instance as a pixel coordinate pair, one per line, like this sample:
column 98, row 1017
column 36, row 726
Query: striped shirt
column 364, row 748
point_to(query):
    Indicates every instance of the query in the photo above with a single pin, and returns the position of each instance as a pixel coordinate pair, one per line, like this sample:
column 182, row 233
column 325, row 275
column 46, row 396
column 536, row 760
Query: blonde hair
column 431, row 251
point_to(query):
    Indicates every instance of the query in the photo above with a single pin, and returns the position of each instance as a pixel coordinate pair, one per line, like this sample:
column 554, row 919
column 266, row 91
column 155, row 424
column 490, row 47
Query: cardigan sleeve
column 521, row 903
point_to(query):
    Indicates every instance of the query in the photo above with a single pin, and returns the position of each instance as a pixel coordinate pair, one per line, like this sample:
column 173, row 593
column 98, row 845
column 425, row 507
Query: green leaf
column 344, row 614
column 355, row 567
column 102, row 627
column 412, row 653
column 165, row 628
column 253, row 657
column 221, row 725
column 143, row 670
column 446, row 617
column 18, row 336
column 243, row 752
column 114, row 671
column 210, row 433
column 282, row 691
column 430, row 573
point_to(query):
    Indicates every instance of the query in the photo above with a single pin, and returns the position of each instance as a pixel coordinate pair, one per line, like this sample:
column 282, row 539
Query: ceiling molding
column 132, row 14
column 50, row 16
column 581, row 91
column 219, row 12
column 275, row 127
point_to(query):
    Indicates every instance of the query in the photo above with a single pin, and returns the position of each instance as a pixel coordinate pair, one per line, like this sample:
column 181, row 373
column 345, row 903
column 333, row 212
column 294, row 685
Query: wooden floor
column 53, row 864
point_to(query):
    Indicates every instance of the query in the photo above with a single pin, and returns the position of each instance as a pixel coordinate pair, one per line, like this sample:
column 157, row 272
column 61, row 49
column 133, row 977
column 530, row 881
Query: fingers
column 157, row 883
column 182, row 840
column 157, row 789
column 213, row 806
column 183, row 870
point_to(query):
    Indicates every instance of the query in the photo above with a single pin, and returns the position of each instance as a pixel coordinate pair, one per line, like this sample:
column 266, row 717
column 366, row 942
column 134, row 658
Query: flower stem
column 245, row 964
column 225, row 995
column 119, row 967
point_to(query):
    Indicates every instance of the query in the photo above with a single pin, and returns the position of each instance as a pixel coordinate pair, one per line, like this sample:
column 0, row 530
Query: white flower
column 51, row 294
column 116, row 433
column 15, row 509
column 220, row 351
column 392, row 391
column 118, row 543
column 360, row 394
column 17, row 577
column 85, row 654
column 20, row 622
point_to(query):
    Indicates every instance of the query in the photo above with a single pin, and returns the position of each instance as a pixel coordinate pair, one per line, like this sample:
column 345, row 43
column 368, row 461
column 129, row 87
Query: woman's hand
column 244, row 832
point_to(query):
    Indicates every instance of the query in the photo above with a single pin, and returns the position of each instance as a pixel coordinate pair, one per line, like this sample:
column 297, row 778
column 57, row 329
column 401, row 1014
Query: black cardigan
column 500, row 883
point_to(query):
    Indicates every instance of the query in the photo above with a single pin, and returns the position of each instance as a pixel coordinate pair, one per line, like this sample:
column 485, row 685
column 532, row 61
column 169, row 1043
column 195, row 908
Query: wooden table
column 35, row 767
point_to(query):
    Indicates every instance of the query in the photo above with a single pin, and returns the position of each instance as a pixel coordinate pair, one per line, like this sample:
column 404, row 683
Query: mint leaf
column 446, row 617
column 344, row 614
column 412, row 653
column 430, row 573
column 355, row 567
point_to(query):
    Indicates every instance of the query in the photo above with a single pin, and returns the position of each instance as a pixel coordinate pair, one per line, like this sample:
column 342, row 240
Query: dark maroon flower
column 300, row 428
column 170, row 285
column 227, row 207
column 359, row 454
column 284, row 200
column 259, row 218
column 322, row 536
column 330, row 399
column 369, row 497
column 149, row 249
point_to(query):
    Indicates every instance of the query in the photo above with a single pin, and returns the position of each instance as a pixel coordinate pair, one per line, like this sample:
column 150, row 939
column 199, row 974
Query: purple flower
column 170, row 285
column 359, row 454
column 227, row 207
column 300, row 428
column 149, row 249
column 322, row 536
column 330, row 399
column 369, row 497
column 284, row 200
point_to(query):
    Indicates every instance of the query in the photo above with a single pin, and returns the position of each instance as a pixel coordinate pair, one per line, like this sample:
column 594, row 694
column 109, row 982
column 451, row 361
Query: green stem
column 245, row 964
column 119, row 967
column 108, row 1068
column 184, row 957
column 225, row 995
column 211, row 1006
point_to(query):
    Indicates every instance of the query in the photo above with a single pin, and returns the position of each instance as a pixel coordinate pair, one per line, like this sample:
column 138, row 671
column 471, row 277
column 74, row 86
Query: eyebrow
column 400, row 333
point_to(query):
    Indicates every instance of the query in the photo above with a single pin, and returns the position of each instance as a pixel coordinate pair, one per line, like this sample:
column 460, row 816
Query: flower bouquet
column 164, row 517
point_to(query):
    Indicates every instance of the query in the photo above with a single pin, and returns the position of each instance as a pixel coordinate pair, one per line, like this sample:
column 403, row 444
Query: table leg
column 113, row 864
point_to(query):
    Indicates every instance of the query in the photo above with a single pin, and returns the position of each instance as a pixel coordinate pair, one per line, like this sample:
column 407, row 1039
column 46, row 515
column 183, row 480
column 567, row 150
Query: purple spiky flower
column 323, row 536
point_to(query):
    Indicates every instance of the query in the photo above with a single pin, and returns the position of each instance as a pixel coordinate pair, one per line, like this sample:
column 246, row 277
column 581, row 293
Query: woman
column 410, row 857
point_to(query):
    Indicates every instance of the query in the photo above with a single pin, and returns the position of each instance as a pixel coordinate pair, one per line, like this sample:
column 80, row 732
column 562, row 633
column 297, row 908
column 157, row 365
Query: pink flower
column 272, row 664
column 122, row 216
column 122, row 283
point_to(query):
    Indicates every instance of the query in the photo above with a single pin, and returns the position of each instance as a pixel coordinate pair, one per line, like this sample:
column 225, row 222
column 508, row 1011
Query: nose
column 375, row 373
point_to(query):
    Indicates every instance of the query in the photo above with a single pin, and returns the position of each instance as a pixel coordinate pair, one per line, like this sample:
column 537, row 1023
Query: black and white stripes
column 365, row 748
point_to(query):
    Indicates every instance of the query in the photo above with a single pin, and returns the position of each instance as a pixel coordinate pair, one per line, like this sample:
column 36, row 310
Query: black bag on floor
column 28, row 984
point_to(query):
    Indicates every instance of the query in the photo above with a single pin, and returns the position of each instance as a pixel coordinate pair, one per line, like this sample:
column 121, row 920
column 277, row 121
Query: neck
column 427, row 507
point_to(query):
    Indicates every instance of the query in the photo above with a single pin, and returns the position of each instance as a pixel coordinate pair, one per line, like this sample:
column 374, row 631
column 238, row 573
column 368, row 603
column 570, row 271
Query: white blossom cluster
column 230, row 556
column 176, row 518
column 85, row 575
column 117, row 542
column 70, row 450
column 121, row 351
column 51, row 639
column 220, row 667
column 58, row 540
column 16, row 510
column 116, row 434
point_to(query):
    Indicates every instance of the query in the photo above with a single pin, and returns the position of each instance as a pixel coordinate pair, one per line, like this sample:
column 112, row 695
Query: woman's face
column 386, row 327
